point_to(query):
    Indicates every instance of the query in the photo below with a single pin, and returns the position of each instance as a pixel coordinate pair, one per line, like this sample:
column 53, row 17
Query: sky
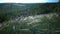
column 27, row 1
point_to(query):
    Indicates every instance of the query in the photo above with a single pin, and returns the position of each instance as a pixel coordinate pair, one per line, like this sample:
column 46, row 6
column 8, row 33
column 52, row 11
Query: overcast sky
column 27, row 1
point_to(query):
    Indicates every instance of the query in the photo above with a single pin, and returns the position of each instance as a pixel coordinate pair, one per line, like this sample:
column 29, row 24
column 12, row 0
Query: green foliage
column 15, row 27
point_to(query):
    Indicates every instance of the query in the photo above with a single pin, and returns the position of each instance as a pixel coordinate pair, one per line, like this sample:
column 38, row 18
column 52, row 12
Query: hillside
column 40, row 18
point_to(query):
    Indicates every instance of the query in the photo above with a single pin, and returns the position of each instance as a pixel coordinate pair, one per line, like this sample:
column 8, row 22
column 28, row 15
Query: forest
column 30, row 18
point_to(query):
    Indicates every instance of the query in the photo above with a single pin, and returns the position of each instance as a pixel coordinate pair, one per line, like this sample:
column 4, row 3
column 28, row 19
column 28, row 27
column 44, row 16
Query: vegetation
column 29, row 18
